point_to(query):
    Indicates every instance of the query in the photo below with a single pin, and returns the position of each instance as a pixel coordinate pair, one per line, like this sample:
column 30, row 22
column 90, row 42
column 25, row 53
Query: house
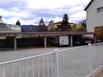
column 55, row 26
column 1, row 21
column 8, row 27
column 94, row 14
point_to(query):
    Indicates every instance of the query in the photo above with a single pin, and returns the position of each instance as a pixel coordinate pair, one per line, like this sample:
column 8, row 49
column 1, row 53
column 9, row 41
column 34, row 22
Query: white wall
column 1, row 21
column 10, row 28
column 93, row 17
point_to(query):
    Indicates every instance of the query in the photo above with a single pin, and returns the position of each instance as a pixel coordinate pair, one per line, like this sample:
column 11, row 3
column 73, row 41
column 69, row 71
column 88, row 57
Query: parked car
column 86, row 40
column 81, row 40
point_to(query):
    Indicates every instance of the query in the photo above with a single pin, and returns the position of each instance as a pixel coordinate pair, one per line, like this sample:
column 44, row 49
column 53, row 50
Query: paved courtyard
column 12, row 55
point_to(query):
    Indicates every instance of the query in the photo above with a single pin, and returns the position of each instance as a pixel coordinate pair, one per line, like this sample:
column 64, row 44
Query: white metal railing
column 75, row 62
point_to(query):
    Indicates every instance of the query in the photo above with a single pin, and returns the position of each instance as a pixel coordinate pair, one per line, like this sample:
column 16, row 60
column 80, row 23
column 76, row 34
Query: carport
column 16, row 35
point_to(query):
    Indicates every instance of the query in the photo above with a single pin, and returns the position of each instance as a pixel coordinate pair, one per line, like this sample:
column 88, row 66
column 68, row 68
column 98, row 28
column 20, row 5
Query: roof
column 88, row 4
column 60, row 22
column 43, row 34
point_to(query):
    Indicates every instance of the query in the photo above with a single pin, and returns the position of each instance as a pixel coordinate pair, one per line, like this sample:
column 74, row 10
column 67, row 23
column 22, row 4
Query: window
column 100, row 9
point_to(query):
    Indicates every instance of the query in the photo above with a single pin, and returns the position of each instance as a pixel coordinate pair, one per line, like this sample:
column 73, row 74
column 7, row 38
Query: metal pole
column 71, row 41
column 15, row 43
column 45, row 42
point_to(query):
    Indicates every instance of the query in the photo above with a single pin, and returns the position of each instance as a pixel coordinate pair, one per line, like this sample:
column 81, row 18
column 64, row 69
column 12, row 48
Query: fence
column 76, row 62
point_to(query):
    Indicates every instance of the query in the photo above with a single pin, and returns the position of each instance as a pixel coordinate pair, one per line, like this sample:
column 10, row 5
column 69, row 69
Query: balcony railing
column 73, row 62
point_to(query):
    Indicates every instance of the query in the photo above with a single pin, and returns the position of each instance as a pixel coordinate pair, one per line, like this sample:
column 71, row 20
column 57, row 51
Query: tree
column 65, row 24
column 41, row 22
column 51, row 27
column 18, row 23
column 74, row 28
column 42, row 26
column 83, row 24
column 51, row 23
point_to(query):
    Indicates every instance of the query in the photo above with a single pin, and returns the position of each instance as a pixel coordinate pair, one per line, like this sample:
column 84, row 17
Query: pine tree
column 51, row 23
column 65, row 24
column 51, row 26
column 42, row 26
column 41, row 22
column 18, row 23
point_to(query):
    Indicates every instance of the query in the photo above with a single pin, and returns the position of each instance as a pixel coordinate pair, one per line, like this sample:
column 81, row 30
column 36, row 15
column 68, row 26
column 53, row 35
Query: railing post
column 45, row 42
column 90, row 58
column 15, row 43
column 38, row 63
column 3, row 71
column 57, row 63
column 71, row 41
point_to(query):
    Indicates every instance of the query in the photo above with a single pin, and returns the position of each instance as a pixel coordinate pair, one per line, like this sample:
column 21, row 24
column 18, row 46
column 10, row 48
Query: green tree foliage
column 83, row 24
column 74, row 28
column 65, row 24
column 18, row 23
column 80, row 27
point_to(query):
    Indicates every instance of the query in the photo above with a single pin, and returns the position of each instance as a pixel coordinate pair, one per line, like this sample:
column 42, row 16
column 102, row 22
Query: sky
column 31, row 11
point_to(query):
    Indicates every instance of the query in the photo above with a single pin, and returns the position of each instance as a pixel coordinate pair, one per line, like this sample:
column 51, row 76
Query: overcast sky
column 30, row 11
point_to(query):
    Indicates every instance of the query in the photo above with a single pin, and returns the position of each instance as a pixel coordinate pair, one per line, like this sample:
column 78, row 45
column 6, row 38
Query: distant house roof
column 88, row 5
column 59, row 22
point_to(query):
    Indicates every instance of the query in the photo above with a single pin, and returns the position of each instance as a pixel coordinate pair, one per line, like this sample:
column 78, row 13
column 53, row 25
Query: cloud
column 30, row 11
column 13, row 13
column 51, row 4
column 7, row 4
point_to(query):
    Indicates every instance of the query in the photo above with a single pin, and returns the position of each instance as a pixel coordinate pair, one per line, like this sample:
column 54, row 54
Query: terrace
column 84, row 61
